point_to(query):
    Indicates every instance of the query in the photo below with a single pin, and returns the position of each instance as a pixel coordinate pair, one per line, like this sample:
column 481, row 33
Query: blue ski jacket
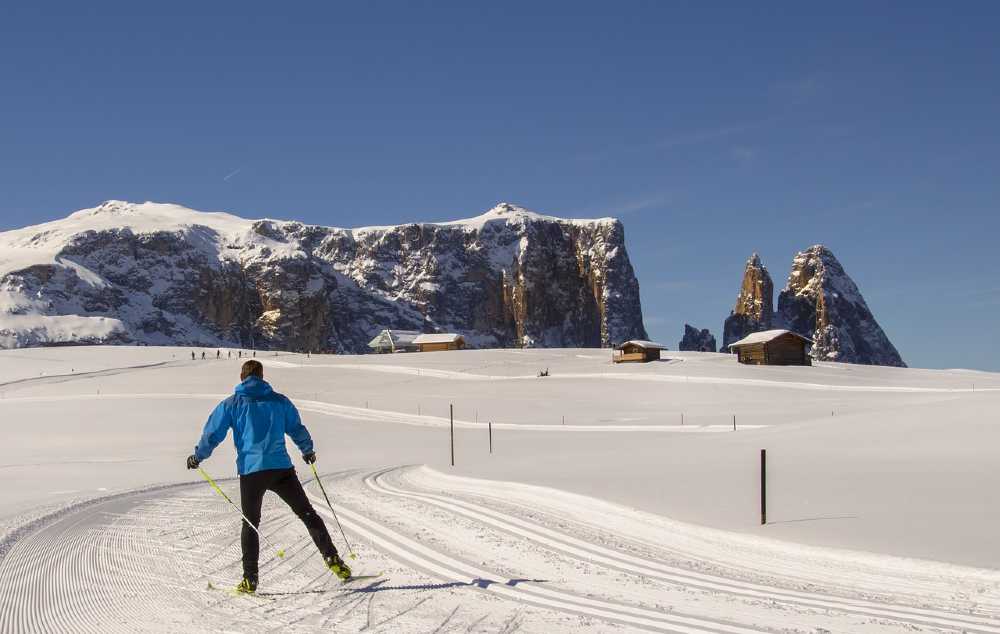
column 259, row 418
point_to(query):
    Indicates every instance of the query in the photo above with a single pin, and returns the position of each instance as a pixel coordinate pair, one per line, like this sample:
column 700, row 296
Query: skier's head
column 252, row 368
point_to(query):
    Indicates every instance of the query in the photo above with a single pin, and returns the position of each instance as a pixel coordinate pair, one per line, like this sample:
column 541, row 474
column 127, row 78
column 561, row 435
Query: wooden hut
column 773, row 347
column 439, row 341
column 638, row 351
column 394, row 341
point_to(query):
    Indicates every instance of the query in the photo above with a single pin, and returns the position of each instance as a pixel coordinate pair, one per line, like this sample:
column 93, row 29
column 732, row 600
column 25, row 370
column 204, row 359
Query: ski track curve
column 446, row 567
column 575, row 547
column 140, row 560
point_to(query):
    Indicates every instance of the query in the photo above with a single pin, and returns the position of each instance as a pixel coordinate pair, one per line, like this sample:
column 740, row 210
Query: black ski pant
column 286, row 484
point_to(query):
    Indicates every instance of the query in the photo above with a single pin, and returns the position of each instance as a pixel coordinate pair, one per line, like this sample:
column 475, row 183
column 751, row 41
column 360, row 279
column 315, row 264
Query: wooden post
column 763, row 487
column 491, row 437
column 682, row 418
column 452, row 415
column 734, row 422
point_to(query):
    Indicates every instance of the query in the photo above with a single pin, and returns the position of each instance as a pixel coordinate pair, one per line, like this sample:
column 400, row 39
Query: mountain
column 754, row 309
column 164, row 274
column 697, row 340
column 823, row 303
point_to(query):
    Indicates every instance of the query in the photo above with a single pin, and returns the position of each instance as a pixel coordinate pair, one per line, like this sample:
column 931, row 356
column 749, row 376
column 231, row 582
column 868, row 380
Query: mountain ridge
column 163, row 273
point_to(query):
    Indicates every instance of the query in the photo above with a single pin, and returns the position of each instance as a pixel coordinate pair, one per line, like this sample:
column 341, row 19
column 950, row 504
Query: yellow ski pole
column 280, row 551
column 349, row 549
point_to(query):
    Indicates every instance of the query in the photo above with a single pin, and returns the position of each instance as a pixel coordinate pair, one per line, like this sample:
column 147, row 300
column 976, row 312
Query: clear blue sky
column 871, row 127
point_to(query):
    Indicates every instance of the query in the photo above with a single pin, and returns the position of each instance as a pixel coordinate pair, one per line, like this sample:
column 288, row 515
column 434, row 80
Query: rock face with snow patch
column 164, row 274
column 697, row 340
column 823, row 303
column 754, row 309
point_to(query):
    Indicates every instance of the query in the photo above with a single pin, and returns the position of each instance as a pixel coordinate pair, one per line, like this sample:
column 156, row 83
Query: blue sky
column 714, row 132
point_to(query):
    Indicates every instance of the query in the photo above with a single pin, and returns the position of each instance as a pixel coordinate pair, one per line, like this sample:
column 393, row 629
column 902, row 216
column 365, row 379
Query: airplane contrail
column 234, row 173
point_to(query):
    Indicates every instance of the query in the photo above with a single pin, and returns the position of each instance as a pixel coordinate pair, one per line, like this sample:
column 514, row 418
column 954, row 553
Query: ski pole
column 280, row 551
column 321, row 488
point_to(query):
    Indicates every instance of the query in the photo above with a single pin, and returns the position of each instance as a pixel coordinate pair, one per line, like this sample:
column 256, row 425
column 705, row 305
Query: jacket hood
column 254, row 388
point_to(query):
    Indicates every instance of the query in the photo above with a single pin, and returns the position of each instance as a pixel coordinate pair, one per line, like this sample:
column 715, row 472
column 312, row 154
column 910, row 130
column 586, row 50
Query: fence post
column 734, row 422
column 491, row 437
column 763, row 487
column 452, row 416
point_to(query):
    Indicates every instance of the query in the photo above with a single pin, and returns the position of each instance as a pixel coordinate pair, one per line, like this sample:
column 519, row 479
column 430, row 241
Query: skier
column 260, row 418
column 218, row 354
column 192, row 355
column 202, row 355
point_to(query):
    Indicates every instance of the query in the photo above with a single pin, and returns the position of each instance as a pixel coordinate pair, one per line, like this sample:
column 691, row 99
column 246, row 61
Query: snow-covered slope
column 609, row 497
column 164, row 274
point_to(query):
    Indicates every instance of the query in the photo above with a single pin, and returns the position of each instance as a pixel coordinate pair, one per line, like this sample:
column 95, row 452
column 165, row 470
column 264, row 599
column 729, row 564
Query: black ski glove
column 192, row 462
column 309, row 457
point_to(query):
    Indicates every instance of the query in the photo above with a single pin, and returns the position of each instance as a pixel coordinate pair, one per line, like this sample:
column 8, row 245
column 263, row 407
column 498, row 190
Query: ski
column 363, row 578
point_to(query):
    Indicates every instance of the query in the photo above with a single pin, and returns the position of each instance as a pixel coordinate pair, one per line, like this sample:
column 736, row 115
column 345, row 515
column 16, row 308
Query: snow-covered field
column 617, row 498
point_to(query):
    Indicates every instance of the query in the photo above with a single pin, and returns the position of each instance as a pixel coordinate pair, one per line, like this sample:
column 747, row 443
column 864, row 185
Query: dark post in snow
column 491, row 437
column 763, row 487
column 452, row 415
column 734, row 422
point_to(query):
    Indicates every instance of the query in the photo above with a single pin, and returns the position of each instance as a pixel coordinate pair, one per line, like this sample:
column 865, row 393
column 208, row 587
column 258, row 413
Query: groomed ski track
column 460, row 555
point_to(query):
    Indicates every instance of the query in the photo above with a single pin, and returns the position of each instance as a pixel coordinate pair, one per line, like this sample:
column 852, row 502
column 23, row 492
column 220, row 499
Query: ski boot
column 247, row 586
column 338, row 567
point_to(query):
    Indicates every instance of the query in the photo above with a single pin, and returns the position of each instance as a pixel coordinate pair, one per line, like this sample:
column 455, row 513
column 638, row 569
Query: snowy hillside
column 616, row 497
column 163, row 274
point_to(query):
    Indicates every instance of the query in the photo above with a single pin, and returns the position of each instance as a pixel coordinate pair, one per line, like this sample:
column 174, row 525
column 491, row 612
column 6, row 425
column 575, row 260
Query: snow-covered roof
column 642, row 343
column 393, row 337
column 443, row 337
column 766, row 336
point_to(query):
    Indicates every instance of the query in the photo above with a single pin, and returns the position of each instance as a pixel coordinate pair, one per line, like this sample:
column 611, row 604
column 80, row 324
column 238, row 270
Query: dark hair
column 252, row 368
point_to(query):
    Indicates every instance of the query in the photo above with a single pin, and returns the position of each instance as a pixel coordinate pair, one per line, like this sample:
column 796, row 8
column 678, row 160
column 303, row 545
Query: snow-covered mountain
column 822, row 302
column 164, row 274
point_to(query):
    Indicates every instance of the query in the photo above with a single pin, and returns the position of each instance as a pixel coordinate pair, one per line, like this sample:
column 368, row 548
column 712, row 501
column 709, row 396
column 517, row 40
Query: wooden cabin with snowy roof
column 638, row 351
column 773, row 347
column 439, row 341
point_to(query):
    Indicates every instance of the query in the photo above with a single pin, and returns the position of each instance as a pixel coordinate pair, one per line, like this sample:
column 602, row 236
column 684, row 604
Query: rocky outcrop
column 697, row 340
column 164, row 274
column 823, row 303
column 754, row 310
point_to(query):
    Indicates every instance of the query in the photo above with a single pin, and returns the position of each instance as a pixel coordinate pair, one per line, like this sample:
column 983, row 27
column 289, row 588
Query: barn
column 394, row 341
column 439, row 341
column 638, row 351
column 773, row 347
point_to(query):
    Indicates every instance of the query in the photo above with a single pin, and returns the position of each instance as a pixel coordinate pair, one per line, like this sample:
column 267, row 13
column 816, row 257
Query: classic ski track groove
column 108, row 553
column 441, row 565
column 622, row 561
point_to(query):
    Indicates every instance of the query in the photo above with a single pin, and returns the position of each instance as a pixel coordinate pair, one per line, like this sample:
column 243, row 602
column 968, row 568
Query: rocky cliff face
column 754, row 309
column 697, row 340
column 164, row 274
column 823, row 303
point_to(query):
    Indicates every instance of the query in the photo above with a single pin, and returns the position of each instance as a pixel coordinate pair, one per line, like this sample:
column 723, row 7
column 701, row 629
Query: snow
column 599, row 508
column 444, row 337
column 763, row 337
column 649, row 345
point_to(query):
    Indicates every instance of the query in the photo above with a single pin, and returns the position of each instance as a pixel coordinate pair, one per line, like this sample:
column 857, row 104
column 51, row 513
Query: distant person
column 218, row 354
column 192, row 355
column 260, row 418
column 230, row 353
column 241, row 354
column 202, row 355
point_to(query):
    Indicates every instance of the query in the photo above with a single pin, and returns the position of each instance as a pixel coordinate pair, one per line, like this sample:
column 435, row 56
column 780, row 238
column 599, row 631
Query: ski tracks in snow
column 460, row 555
